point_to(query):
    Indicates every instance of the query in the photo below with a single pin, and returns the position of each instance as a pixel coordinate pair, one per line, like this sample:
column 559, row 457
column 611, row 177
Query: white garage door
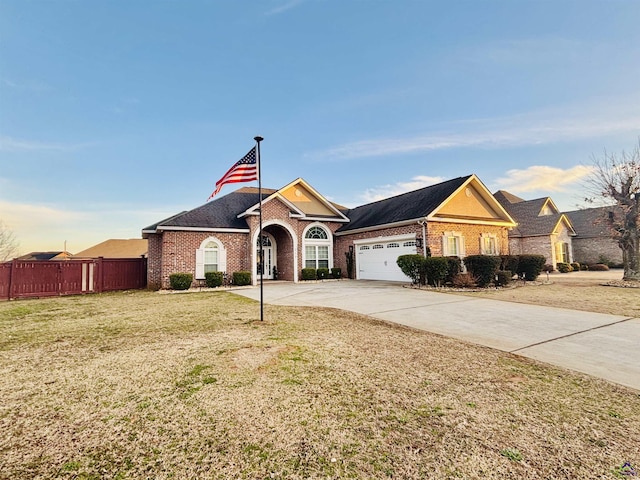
column 377, row 261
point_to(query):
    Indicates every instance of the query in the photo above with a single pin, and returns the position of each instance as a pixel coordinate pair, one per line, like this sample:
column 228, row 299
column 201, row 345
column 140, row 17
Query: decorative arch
column 210, row 257
column 254, row 248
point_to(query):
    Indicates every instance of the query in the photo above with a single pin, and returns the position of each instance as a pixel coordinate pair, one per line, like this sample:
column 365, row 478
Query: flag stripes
column 244, row 170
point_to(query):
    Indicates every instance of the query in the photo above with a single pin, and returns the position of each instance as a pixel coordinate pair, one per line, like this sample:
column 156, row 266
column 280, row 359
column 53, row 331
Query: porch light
column 419, row 242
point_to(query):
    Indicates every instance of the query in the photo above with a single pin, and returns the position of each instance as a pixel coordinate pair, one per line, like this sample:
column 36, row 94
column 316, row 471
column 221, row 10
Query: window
column 211, row 257
column 316, row 256
column 378, row 246
column 488, row 244
column 316, row 233
column 317, row 248
column 411, row 243
column 393, row 245
column 364, row 247
column 562, row 252
column 453, row 244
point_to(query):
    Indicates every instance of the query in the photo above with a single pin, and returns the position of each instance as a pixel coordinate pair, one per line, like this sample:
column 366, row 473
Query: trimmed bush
column 483, row 268
column 530, row 266
column 322, row 273
column 599, row 267
column 241, row 278
column 413, row 267
column 309, row 274
column 504, row 277
column 576, row 266
column 213, row 279
column 435, row 270
column 509, row 263
column 454, row 266
column 336, row 272
column 180, row 281
column 564, row 267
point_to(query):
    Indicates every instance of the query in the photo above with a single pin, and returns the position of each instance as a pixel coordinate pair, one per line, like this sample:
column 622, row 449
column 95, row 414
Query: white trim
column 396, row 238
column 378, row 227
column 495, row 240
column 222, row 257
column 494, row 223
column 323, row 219
column 203, row 229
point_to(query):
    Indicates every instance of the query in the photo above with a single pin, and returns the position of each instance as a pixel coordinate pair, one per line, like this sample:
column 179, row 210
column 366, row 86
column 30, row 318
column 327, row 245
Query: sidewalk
column 606, row 346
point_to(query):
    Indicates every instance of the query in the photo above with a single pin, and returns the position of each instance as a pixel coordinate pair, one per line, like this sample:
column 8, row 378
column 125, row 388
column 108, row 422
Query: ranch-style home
column 542, row 229
column 301, row 228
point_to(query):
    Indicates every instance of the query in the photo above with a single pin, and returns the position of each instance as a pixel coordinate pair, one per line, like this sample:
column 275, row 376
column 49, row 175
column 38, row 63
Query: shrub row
column 183, row 281
column 321, row 273
column 482, row 269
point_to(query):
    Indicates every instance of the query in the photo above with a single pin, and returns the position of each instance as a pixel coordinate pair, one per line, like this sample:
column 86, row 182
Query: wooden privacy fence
column 24, row 279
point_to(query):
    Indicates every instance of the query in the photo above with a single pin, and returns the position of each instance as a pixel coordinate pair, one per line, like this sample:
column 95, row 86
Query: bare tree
column 8, row 243
column 616, row 177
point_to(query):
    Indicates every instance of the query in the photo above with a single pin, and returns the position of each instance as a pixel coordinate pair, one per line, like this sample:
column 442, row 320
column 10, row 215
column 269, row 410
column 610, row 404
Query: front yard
column 142, row 385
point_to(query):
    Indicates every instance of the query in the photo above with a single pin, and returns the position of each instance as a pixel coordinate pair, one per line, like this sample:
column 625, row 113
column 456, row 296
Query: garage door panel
column 377, row 261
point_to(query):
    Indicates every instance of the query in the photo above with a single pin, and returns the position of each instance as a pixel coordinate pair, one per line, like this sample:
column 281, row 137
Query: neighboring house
column 301, row 228
column 116, row 248
column 542, row 229
column 593, row 242
column 45, row 256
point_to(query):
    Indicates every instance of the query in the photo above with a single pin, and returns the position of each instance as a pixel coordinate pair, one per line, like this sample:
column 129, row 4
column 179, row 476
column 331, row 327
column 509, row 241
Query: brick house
column 542, row 229
column 302, row 229
column 593, row 242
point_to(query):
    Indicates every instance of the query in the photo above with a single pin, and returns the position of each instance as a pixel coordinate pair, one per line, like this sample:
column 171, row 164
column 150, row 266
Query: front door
column 267, row 260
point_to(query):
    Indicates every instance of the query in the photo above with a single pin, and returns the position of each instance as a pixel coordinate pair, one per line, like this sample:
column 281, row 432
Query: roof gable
column 432, row 202
column 536, row 217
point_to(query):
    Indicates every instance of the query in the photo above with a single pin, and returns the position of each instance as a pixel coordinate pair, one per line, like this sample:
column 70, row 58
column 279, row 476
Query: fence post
column 100, row 275
column 10, row 289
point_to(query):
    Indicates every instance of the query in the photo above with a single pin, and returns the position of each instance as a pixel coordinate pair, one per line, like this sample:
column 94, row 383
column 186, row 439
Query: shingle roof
column 527, row 214
column 591, row 222
column 408, row 206
column 42, row 256
column 219, row 213
column 116, row 248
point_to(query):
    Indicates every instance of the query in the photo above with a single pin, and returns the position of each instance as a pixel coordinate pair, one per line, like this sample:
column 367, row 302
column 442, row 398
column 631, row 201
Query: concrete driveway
column 606, row 346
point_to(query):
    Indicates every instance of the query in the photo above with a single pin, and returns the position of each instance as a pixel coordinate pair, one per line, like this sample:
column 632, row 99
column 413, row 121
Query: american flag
column 245, row 170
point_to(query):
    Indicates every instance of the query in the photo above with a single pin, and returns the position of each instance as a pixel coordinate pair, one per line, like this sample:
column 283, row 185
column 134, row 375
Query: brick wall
column 595, row 250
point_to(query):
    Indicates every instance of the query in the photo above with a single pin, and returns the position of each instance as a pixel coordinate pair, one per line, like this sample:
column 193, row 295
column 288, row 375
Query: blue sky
column 116, row 114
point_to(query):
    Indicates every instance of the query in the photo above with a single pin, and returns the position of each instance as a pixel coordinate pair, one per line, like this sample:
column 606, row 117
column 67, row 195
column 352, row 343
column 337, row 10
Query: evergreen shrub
column 309, row 274
column 530, row 266
column 241, row 278
column 180, row 281
column 213, row 279
column 483, row 268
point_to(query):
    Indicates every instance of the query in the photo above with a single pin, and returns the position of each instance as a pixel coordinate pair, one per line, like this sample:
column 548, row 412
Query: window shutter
column 462, row 253
column 445, row 246
column 200, row 264
column 222, row 259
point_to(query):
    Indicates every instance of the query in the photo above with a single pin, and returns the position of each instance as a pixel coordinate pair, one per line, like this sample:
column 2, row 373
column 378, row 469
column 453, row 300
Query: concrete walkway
column 606, row 346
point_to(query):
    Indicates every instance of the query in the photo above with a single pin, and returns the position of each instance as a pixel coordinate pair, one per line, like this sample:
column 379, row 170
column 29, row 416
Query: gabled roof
column 422, row 203
column 592, row 222
column 536, row 217
column 218, row 214
column 116, row 248
column 304, row 202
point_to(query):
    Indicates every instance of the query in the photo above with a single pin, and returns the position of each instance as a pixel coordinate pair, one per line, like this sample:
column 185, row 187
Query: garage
column 376, row 260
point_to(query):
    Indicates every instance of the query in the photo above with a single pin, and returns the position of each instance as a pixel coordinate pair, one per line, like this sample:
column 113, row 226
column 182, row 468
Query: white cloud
column 537, row 128
column 10, row 144
column 283, row 8
column 390, row 190
column 542, row 178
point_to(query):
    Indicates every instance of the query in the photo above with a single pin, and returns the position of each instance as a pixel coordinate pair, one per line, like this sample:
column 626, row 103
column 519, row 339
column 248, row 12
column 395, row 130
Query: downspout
column 424, row 236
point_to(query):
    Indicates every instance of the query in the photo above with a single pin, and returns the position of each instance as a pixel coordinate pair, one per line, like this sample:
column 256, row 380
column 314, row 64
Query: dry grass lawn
column 142, row 385
column 577, row 291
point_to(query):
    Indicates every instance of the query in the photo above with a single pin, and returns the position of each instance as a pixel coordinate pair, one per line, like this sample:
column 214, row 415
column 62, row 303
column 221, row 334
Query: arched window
column 317, row 233
column 210, row 257
column 317, row 248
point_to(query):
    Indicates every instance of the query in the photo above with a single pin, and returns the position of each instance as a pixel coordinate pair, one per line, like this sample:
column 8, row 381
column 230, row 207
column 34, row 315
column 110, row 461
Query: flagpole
column 261, row 252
